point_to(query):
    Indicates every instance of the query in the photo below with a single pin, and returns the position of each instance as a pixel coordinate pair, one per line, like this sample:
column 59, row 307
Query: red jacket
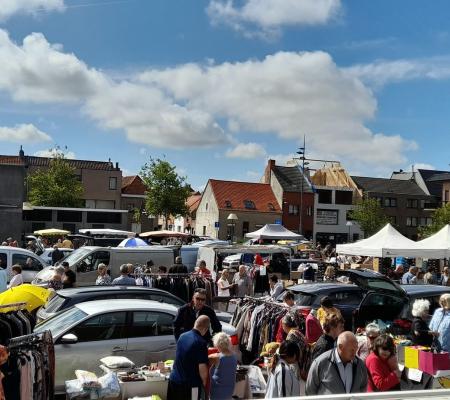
column 313, row 329
column 380, row 374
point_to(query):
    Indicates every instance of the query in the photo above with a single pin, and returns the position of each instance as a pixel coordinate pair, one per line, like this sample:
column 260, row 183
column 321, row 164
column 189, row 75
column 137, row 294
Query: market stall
column 274, row 232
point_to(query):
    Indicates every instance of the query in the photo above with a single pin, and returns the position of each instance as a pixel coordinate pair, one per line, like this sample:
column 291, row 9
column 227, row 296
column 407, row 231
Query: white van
column 85, row 260
column 30, row 262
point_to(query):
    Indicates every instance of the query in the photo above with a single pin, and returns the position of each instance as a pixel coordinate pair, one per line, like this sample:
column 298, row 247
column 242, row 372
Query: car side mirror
column 70, row 338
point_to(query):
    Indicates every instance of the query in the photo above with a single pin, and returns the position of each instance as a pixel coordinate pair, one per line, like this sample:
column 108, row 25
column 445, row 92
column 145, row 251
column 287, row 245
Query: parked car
column 140, row 330
column 30, row 262
column 47, row 254
column 370, row 296
column 67, row 298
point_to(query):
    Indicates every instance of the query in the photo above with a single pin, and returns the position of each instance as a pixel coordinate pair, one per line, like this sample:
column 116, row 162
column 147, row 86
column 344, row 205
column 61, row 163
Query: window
column 104, row 217
column 411, row 221
column 271, row 207
column 309, row 211
column 206, row 206
column 425, row 221
column 91, row 262
column 324, row 196
column 68, row 216
column 380, row 200
column 344, row 197
column 69, row 227
column 390, row 202
column 37, row 215
column 37, row 226
column 112, row 183
column 411, row 203
column 249, row 204
column 227, row 203
column 422, row 203
column 327, row 217
column 245, row 227
column 204, row 230
column 150, row 323
column 346, row 297
column 3, row 260
column 26, row 262
column 101, row 327
column 293, row 209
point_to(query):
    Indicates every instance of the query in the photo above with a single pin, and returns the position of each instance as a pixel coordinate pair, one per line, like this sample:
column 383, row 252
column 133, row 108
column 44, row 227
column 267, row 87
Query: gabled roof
column 33, row 161
column 433, row 186
column 193, row 201
column 291, row 178
column 236, row 193
column 384, row 185
column 440, row 177
column 133, row 185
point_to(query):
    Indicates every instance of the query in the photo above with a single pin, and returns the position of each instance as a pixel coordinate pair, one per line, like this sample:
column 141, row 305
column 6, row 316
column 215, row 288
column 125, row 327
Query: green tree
column 369, row 215
column 441, row 217
column 167, row 192
column 55, row 186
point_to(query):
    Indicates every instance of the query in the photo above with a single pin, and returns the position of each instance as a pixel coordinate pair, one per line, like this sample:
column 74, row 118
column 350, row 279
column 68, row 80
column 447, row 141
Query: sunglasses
column 200, row 298
column 386, row 349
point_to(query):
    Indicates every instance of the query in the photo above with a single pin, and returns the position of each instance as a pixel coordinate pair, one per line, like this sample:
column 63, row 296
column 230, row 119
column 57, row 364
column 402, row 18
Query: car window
column 92, row 261
column 58, row 323
column 150, row 323
column 304, row 299
column 28, row 263
column 54, row 304
column 101, row 327
column 3, row 260
column 345, row 297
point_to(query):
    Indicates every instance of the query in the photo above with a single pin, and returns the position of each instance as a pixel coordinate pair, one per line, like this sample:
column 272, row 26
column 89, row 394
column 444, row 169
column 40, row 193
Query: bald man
column 339, row 370
column 190, row 369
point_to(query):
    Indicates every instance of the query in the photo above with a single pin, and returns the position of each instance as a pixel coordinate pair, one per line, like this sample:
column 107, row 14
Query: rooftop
column 133, row 185
column 385, row 185
column 244, row 196
column 291, row 179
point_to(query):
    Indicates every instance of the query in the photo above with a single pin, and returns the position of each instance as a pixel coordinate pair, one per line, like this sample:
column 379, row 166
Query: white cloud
column 290, row 94
column 9, row 8
column 23, row 133
column 50, row 153
column 281, row 159
column 266, row 17
column 42, row 73
column 382, row 72
column 418, row 166
column 246, row 151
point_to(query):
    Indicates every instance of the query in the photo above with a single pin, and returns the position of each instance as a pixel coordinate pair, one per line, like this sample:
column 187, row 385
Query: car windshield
column 77, row 255
column 301, row 298
column 60, row 322
column 54, row 304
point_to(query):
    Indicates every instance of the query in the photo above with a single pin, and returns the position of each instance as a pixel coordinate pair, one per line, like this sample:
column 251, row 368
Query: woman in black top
column 420, row 332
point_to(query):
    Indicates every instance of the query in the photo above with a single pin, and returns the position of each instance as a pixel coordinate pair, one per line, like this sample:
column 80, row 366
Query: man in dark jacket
column 188, row 313
column 56, row 254
column 332, row 328
column 178, row 267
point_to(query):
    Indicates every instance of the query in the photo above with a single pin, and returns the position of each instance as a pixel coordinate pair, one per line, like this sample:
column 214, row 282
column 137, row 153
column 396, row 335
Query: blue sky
column 219, row 86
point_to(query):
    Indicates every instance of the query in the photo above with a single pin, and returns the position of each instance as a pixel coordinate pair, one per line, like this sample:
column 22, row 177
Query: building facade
column 253, row 205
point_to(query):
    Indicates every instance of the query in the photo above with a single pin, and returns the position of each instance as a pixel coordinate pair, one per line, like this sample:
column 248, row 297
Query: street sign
column 278, row 221
column 216, row 225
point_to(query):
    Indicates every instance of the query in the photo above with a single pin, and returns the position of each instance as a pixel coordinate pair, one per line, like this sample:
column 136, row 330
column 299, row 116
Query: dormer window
column 271, row 207
column 249, row 204
column 227, row 203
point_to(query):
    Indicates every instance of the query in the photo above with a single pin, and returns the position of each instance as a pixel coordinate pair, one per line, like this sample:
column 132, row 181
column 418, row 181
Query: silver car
column 141, row 330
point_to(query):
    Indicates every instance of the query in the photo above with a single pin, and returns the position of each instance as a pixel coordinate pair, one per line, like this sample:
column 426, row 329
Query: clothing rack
column 24, row 340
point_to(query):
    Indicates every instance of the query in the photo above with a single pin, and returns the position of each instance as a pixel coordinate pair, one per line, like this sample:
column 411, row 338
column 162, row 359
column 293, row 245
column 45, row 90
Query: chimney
column 270, row 166
column 117, row 165
column 21, row 152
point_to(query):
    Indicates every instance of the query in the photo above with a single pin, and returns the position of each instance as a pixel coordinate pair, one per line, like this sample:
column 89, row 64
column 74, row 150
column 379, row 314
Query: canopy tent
column 163, row 233
column 387, row 242
column 439, row 243
column 107, row 232
column 132, row 242
column 275, row 232
column 51, row 232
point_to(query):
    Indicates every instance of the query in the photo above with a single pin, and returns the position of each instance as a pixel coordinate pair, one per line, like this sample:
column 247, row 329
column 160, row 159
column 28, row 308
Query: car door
column 99, row 336
column 150, row 337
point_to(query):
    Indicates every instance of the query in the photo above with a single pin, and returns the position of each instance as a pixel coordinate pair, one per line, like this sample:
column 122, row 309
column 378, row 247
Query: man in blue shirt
column 124, row 279
column 408, row 276
column 190, row 369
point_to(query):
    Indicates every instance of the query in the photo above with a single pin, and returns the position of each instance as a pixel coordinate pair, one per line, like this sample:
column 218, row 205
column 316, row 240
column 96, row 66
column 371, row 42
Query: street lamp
column 349, row 224
column 232, row 218
column 301, row 152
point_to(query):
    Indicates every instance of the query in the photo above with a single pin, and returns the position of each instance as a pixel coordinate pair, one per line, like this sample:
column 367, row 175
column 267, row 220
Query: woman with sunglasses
column 382, row 367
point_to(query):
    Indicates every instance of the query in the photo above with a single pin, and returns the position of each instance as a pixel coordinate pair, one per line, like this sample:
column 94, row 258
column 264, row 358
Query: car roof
column 419, row 290
column 73, row 292
column 321, row 287
column 101, row 306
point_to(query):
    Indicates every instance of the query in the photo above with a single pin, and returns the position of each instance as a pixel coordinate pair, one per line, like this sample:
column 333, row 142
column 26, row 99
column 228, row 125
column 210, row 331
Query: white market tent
column 387, row 242
column 439, row 243
column 275, row 232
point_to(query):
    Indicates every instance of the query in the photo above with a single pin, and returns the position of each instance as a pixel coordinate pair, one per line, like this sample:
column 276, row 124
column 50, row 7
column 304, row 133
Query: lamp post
column 301, row 152
column 232, row 218
column 349, row 224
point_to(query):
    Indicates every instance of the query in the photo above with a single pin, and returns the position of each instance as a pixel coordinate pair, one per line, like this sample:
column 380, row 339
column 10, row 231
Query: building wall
column 334, row 233
column 291, row 221
column 445, row 192
column 130, row 203
column 207, row 214
column 12, row 196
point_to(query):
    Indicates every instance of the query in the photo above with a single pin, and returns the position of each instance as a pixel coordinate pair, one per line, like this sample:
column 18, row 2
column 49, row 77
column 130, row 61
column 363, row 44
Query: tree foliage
column 369, row 215
column 441, row 217
column 167, row 192
column 55, row 186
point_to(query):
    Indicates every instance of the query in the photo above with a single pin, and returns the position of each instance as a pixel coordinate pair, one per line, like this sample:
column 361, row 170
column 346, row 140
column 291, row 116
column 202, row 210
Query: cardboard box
column 412, row 356
column 430, row 362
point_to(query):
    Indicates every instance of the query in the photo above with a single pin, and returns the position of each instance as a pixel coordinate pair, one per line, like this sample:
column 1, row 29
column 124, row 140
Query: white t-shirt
column 221, row 283
column 16, row 280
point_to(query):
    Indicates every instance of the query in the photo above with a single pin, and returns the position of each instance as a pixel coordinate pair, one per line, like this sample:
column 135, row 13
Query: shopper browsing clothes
column 190, row 369
column 440, row 322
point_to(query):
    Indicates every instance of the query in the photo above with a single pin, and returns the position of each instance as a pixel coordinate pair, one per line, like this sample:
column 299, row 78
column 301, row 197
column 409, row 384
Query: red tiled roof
column 193, row 201
column 237, row 192
column 45, row 161
column 133, row 185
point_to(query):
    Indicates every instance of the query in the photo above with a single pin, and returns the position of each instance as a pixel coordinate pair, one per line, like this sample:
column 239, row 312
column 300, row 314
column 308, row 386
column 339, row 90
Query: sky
column 217, row 87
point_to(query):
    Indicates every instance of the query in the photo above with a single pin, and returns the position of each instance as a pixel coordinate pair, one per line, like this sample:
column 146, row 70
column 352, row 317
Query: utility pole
column 302, row 151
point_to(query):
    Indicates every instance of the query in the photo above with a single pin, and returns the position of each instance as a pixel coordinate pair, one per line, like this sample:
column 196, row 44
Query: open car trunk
column 383, row 299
